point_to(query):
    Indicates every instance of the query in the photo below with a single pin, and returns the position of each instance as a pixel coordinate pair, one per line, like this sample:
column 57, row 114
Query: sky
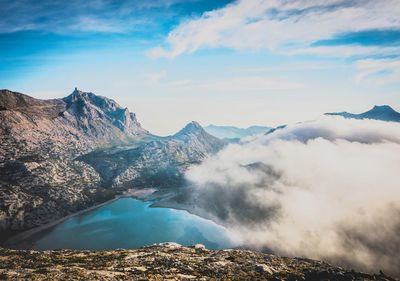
column 241, row 63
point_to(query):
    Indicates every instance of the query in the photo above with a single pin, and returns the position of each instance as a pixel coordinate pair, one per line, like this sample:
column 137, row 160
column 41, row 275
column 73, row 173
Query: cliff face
column 64, row 155
column 40, row 180
column 167, row 262
column 68, row 126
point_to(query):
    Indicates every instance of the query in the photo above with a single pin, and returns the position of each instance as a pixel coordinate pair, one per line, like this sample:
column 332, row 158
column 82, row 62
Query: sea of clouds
column 325, row 189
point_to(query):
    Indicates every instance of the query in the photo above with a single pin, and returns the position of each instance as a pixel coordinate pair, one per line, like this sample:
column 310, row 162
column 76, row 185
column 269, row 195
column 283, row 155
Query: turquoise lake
column 130, row 223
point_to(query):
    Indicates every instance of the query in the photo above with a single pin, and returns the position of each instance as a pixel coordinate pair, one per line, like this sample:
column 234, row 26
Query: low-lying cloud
column 326, row 189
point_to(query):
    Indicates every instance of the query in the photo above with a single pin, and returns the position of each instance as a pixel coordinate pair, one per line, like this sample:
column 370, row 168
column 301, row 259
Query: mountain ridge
column 378, row 112
column 232, row 132
column 47, row 148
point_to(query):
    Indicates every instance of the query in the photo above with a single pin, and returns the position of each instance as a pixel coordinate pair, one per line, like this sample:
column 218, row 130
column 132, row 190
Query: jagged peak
column 193, row 125
column 105, row 104
column 79, row 94
column 192, row 128
column 86, row 105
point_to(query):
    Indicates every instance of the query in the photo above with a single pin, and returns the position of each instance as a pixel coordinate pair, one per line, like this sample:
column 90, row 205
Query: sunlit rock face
column 98, row 115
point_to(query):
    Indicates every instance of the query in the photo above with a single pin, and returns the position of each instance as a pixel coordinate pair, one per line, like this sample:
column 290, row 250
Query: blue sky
column 224, row 62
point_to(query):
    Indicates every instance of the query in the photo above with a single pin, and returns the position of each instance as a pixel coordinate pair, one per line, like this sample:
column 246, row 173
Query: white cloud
column 381, row 71
column 325, row 189
column 155, row 77
column 250, row 83
column 277, row 25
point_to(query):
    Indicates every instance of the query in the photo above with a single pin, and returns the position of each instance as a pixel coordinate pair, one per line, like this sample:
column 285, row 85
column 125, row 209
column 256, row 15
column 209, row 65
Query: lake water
column 130, row 223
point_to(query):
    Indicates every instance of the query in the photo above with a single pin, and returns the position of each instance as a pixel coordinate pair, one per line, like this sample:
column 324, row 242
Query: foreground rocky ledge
column 167, row 262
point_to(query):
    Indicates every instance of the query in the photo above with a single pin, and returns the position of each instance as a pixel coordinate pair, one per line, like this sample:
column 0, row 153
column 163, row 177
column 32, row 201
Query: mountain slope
column 71, row 125
column 40, row 180
column 383, row 112
column 159, row 163
column 63, row 155
column 231, row 132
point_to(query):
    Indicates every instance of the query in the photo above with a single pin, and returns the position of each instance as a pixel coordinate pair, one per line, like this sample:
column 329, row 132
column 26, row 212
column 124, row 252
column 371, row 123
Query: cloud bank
column 326, row 189
column 356, row 30
column 284, row 26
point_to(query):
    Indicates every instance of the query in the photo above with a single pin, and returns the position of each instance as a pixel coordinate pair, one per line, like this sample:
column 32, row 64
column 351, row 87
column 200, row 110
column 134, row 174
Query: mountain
column 231, row 132
column 383, row 112
column 100, row 116
column 40, row 139
column 63, row 155
column 159, row 163
column 70, row 125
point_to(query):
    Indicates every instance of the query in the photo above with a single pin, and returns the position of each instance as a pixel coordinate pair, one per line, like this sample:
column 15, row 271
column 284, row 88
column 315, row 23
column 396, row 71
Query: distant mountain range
column 60, row 156
column 383, row 112
column 231, row 132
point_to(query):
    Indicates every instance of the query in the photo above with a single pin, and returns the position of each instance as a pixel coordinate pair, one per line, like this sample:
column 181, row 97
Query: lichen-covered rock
column 168, row 261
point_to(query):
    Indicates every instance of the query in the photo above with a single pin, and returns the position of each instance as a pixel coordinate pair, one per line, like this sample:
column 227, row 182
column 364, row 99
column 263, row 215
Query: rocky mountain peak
column 192, row 128
column 87, row 107
column 382, row 108
column 378, row 112
column 90, row 99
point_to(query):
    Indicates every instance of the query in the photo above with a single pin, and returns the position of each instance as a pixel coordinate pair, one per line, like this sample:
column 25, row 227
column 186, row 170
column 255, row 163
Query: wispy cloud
column 281, row 26
column 237, row 84
column 103, row 16
column 252, row 84
column 380, row 71
column 155, row 77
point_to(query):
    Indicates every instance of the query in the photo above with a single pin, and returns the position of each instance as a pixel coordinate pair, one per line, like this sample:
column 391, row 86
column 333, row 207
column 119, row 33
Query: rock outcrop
column 168, row 261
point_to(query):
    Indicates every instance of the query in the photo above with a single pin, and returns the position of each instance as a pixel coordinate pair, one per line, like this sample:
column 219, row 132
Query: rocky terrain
column 168, row 261
column 64, row 155
column 158, row 163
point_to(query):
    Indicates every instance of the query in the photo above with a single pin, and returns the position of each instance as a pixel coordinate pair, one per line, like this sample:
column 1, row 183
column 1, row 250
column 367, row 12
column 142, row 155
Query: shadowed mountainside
column 382, row 112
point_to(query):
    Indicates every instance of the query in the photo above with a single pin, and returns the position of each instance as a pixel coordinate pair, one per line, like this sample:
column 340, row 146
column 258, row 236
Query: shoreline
column 24, row 241
column 21, row 240
column 157, row 198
